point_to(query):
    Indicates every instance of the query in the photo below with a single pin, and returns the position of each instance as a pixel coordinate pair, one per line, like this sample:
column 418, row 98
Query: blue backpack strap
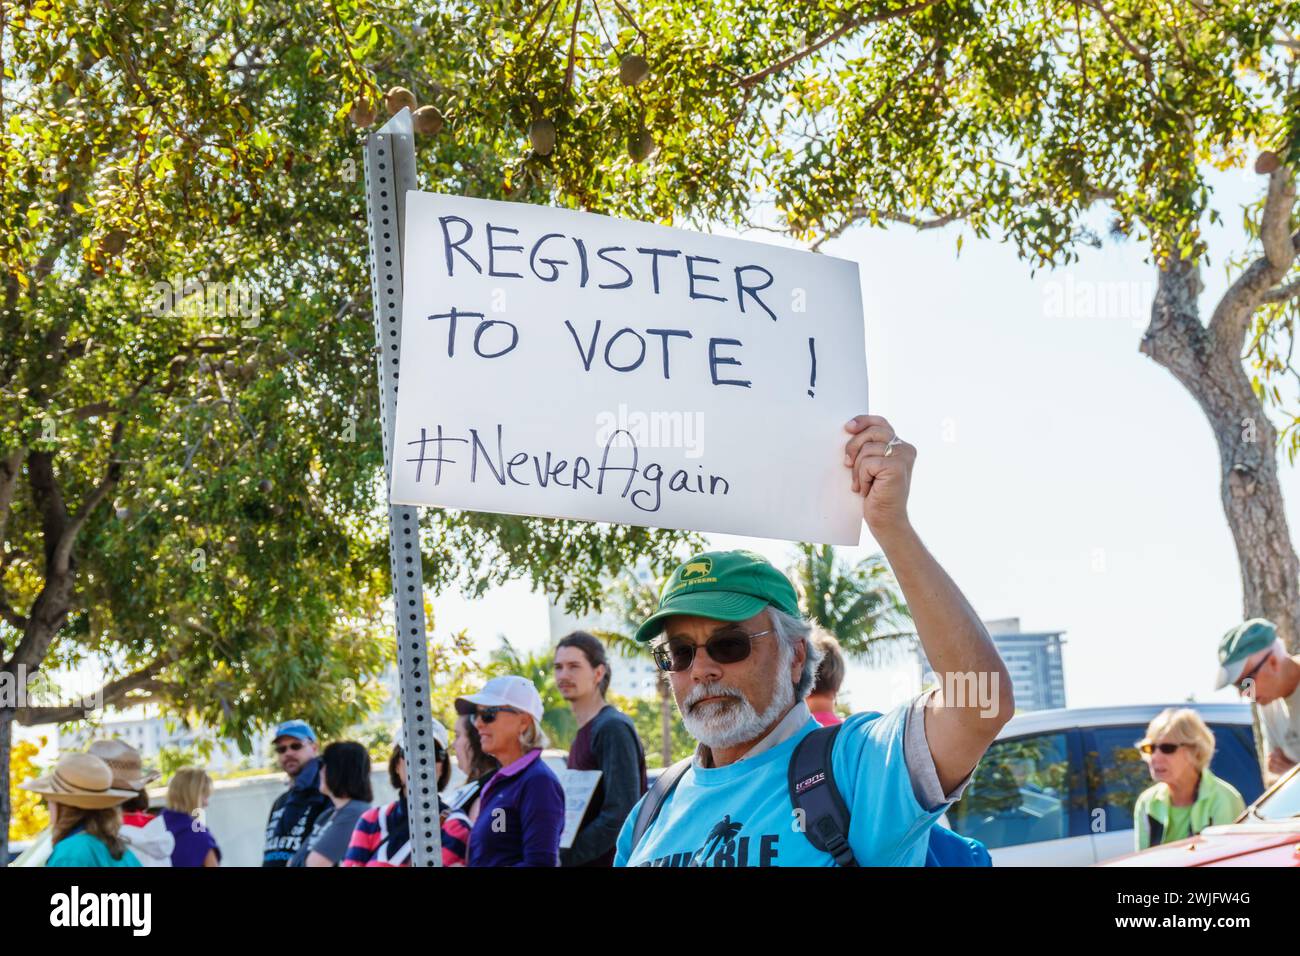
column 813, row 791
column 654, row 799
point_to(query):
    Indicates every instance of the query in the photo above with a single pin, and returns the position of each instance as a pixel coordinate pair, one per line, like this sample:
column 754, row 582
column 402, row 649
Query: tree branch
column 1275, row 221
column 836, row 34
column 1283, row 293
column 1232, row 315
column 10, row 467
column 632, row 20
column 1141, row 57
column 110, row 693
column 858, row 213
column 573, row 46
column 48, row 497
column 112, row 475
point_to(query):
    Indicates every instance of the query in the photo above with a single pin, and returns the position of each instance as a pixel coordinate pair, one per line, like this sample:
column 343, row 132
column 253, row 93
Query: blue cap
column 294, row 728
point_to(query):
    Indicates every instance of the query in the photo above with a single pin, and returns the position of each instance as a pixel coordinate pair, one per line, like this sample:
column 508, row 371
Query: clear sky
column 1062, row 477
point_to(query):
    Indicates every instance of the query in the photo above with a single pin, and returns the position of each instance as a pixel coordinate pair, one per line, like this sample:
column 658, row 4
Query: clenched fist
column 881, row 467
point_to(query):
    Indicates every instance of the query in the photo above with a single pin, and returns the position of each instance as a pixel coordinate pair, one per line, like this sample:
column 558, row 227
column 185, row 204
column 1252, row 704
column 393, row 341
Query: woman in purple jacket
column 188, row 794
column 521, row 808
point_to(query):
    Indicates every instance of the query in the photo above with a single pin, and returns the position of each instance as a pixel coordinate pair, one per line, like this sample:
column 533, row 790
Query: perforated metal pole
column 390, row 172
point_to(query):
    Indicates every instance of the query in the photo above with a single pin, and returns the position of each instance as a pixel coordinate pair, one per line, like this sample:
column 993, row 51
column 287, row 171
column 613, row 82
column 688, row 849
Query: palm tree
column 859, row 604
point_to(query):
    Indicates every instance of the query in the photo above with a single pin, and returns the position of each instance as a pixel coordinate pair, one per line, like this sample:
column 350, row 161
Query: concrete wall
column 239, row 808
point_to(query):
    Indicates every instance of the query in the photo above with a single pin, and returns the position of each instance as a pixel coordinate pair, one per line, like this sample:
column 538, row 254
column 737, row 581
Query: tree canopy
column 190, row 464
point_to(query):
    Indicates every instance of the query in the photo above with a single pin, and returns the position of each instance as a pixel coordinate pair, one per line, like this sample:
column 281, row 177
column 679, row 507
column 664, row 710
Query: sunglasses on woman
column 727, row 645
column 489, row 714
column 1149, row 748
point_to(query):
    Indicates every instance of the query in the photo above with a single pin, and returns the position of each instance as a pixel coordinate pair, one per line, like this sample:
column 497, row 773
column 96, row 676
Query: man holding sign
column 729, row 632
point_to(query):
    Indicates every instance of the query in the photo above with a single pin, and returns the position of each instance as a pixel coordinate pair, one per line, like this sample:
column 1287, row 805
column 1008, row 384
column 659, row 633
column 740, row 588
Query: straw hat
column 79, row 780
column 124, row 760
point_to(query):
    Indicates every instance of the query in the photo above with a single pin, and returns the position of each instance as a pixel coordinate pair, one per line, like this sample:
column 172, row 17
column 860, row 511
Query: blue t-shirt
column 741, row 814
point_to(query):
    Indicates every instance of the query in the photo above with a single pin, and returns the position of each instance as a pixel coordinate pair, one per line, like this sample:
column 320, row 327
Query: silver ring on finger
column 889, row 448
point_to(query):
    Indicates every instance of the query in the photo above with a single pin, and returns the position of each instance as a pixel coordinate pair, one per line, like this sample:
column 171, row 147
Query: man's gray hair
column 792, row 632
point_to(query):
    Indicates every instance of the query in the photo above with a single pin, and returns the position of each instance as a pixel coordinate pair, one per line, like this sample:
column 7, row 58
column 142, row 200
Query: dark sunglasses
column 1243, row 681
column 728, row 645
column 281, row 748
column 1149, row 748
column 489, row 714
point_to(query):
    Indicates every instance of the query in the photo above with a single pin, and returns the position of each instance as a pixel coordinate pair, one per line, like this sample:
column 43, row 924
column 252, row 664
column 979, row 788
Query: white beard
column 729, row 724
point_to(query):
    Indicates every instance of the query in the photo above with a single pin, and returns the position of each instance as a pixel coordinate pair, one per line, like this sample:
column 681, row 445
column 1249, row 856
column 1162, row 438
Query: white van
column 1057, row 787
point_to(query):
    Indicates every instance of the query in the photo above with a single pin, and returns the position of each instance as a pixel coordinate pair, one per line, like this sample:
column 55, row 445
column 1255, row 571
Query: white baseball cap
column 436, row 730
column 508, row 691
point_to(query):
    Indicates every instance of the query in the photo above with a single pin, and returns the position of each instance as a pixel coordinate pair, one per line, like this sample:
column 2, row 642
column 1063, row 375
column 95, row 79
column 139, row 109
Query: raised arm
column 975, row 696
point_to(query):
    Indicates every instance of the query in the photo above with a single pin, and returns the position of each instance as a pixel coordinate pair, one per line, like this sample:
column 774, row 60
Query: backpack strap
column 654, row 800
column 814, row 793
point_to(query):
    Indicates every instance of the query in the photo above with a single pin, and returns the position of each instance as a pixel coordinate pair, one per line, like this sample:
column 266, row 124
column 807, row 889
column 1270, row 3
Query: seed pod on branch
column 113, row 242
column 640, row 145
column 541, row 133
column 399, row 97
column 633, row 69
column 362, row 114
column 428, row 121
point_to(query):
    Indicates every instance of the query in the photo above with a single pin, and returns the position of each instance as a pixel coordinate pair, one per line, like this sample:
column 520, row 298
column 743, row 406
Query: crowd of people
column 100, row 812
column 510, row 809
column 776, row 778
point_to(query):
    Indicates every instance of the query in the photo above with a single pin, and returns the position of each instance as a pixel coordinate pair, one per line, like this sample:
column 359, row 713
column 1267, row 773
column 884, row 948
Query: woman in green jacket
column 1186, row 797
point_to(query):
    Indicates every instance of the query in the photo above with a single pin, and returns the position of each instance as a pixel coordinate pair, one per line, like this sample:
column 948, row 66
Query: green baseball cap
column 1247, row 638
column 726, row 585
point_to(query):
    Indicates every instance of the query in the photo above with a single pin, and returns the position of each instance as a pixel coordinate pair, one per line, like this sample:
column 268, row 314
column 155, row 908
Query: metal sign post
column 390, row 172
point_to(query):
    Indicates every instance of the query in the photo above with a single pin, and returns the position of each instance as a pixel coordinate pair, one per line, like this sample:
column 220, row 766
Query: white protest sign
column 571, row 365
column 579, row 786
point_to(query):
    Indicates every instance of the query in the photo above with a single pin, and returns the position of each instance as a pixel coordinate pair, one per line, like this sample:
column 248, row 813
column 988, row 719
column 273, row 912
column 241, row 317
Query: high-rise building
column 1033, row 659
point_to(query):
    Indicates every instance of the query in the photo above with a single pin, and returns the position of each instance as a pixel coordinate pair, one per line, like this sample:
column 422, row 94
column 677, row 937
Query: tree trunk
column 1211, row 370
column 6, row 746
column 666, row 720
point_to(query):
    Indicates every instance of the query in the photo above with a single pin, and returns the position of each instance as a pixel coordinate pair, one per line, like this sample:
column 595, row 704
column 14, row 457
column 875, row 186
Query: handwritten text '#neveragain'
column 620, row 464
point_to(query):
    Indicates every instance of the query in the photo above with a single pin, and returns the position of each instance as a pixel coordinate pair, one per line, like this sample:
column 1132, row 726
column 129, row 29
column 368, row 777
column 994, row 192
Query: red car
column 1267, row 834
